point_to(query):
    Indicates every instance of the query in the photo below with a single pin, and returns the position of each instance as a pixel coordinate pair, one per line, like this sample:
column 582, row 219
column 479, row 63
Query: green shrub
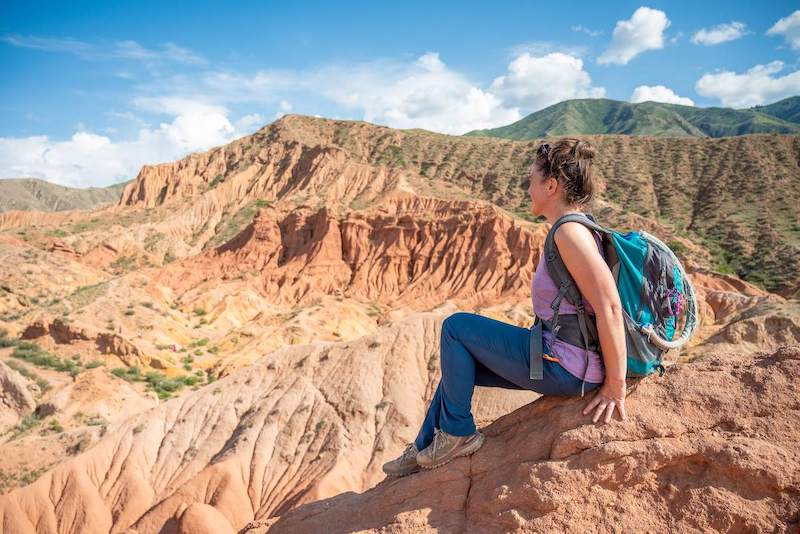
column 28, row 422
column 55, row 426
column 130, row 374
column 200, row 342
column 6, row 341
column 32, row 353
column 95, row 420
column 156, row 381
column 165, row 387
column 29, row 477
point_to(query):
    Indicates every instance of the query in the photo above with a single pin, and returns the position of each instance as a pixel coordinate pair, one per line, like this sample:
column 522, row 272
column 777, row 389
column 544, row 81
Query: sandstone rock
column 710, row 447
column 203, row 519
column 411, row 259
column 304, row 423
column 15, row 399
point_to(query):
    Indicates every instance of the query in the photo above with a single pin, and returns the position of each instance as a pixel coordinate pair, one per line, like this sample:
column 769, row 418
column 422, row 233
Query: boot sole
column 400, row 475
column 466, row 452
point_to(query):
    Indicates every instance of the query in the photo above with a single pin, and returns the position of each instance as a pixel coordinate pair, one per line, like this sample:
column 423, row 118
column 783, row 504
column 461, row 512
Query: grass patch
column 216, row 181
column 85, row 295
column 124, row 264
column 129, row 374
column 83, row 226
column 32, row 353
column 6, row 341
column 156, row 381
column 28, row 422
column 152, row 240
column 55, row 426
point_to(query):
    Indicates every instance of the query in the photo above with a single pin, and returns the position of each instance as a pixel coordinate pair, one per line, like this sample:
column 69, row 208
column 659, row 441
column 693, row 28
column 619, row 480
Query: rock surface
column 15, row 399
column 305, row 423
column 709, row 447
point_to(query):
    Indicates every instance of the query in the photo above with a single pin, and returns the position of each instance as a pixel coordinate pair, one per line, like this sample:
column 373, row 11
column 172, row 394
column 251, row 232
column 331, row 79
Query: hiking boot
column 405, row 464
column 445, row 447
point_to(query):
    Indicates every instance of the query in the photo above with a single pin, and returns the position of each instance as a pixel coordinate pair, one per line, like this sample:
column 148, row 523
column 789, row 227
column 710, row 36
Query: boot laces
column 409, row 452
column 439, row 440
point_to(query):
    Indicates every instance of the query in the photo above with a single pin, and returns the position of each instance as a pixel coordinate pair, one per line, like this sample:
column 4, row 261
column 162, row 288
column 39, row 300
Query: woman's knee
column 452, row 323
column 452, row 327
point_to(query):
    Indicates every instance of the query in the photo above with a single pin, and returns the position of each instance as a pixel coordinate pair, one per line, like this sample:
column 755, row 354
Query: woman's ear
column 552, row 185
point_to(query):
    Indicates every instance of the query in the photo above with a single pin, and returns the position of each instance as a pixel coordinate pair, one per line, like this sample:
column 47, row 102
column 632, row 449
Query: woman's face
column 540, row 190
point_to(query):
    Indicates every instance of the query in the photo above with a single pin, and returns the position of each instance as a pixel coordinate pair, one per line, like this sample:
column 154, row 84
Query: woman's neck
column 559, row 212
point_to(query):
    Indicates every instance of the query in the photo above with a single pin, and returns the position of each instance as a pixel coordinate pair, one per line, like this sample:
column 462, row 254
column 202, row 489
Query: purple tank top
column 571, row 357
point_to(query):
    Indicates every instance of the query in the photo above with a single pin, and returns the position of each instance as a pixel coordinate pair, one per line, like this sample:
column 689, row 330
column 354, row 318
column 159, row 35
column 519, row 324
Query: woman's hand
column 611, row 395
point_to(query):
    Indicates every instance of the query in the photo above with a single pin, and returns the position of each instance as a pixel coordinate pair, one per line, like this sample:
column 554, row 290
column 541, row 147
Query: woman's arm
column 578, row 249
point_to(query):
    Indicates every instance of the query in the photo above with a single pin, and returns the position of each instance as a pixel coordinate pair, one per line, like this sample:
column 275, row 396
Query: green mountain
column 787, row 109
column 595, row 116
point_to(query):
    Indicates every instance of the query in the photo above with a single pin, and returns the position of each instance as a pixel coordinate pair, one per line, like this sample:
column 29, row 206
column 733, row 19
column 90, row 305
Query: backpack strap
column 566, row 284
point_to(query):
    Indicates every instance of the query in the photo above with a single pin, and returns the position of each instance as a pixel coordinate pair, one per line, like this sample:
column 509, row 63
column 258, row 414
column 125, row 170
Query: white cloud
column 582, row 29
column 756, row 86
column 720, row 33
column 643, row 31
column 250, row 123
column 174, row 115
column 537, row 82
column 423, row 94
column 659, row 93
column 118, row 50
column 284, row 107
column 542, row 48
column 88, row 159
column 126, row 116
column 789, row 27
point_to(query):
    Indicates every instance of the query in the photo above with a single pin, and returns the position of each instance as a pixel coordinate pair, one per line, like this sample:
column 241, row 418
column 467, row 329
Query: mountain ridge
column 42, row 195
column 594, row 116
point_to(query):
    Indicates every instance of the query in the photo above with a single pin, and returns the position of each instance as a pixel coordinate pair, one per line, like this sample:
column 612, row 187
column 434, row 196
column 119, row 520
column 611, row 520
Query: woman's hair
column 569, row 160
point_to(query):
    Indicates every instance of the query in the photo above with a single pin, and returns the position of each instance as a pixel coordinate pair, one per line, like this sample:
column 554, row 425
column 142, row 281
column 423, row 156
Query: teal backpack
column 653, row 288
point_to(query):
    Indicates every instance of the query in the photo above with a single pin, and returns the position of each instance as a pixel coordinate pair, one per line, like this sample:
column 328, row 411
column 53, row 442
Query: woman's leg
column 478, row 350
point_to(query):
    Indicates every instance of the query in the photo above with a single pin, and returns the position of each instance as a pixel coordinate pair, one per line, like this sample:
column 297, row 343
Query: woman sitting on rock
column 479, row 351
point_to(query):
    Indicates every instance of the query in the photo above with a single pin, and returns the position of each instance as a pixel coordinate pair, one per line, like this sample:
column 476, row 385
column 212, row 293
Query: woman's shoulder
column 575, row 234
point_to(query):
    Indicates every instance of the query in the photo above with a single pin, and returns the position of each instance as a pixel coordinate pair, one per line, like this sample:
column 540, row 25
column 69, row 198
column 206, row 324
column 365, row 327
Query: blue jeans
column 480, row 351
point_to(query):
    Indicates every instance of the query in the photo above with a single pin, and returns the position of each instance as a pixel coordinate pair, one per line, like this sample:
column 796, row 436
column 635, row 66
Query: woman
column 479, row 351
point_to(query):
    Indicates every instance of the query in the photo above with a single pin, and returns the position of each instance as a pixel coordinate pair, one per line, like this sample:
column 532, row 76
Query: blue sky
column 93, row 90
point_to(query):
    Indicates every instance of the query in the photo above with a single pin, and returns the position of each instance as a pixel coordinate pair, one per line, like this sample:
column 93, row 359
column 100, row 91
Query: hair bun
column 585, row 150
